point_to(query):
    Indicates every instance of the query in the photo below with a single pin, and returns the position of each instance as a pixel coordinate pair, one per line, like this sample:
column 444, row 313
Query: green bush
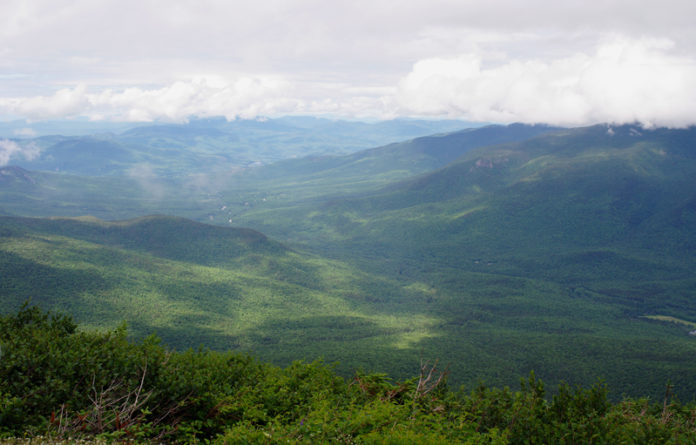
column 59, row 382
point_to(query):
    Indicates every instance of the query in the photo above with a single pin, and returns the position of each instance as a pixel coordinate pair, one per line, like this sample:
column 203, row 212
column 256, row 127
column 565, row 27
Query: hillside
column 564, row 251
column 169, row 169
column 161, row 236
column 34, row 193
column 563, row 242
column 574, row 189
column 196, row 284
column 366, row 170
column 579, row 191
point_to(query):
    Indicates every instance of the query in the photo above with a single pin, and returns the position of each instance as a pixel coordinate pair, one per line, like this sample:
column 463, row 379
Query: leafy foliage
column 62, row 383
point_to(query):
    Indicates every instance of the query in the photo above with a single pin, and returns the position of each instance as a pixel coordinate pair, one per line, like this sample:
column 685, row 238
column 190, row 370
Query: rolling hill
column 587, row 188
column 197, row 284
column 158, row 169
column 591, row 208
column 320, row 176
column 497, row 250
column 508, row 238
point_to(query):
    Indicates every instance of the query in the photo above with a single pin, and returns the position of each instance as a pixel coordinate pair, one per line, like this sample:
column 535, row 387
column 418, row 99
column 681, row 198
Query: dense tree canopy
column 59, row 381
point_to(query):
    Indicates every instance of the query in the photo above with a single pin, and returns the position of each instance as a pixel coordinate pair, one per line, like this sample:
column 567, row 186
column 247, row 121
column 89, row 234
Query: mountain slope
column 568, row 253
column 574, row 188
column 187, row 170
column 580, row 206
column 284, row 306
column 369, row 169
column 224, row 288
column 162, row 236
column 519, row 244
column 32, row 193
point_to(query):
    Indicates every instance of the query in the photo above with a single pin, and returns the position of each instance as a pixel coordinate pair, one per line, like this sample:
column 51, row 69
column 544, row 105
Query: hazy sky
column 563, row 62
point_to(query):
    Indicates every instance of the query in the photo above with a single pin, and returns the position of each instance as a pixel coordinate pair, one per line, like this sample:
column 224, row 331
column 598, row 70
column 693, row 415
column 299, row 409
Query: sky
column 564, row 62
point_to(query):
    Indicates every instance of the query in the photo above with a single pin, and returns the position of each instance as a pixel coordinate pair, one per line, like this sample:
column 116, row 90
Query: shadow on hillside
column 47, row 286
column 349, row 342
column 185, row 333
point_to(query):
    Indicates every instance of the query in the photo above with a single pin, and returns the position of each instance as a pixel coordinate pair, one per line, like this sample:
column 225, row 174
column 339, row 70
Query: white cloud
column 147, row 179
column 622, row 81
column 237, row 97
column 12, row 150
column 203, row 96
column 490, row 60
column 65, row 102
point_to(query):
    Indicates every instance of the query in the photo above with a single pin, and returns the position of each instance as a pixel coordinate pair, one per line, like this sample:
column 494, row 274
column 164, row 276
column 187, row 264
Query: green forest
column 59, row 383
column 388, row 295
column 223, row 288
column 347, row 222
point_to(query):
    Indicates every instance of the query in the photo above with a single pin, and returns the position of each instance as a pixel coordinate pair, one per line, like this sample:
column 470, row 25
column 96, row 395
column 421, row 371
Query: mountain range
column 498, row 250
column 205, row 145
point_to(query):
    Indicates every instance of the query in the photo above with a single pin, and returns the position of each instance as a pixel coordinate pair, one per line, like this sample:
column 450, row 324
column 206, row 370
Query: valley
column 497, row 250
column 363, row 223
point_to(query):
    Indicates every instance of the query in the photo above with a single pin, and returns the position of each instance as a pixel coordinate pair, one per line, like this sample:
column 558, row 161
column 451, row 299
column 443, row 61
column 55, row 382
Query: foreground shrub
column 60, row 383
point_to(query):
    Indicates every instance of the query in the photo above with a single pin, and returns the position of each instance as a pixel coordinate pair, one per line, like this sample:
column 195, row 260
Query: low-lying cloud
column 237, row 97
column 146, row 177
column 12, row 150
column 623, row 81
column 620, row 81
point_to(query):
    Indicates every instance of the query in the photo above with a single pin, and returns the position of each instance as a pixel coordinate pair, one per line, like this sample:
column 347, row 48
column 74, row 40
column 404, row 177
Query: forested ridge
column 566, row 252
column 58, row 382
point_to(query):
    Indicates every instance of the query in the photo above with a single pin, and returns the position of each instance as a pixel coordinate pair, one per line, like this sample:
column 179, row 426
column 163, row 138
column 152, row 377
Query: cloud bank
column 233, row 97
column 621, row 80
